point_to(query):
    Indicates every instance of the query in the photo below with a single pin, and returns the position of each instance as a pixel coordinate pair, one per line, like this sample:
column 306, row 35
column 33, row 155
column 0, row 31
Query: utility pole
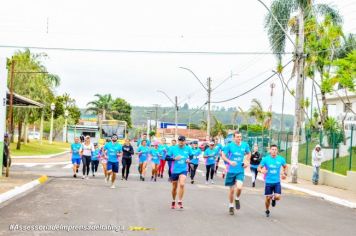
column 11, row 105
column 156, row 116
column 209, row 114
column 176, row 117
column 273, row 85
column 298, row 97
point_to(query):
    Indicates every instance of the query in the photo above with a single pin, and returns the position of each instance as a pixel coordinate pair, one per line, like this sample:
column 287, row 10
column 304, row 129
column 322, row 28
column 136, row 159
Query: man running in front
column 237, row 156
column 113, row 151
column 180, row 155
column 271, row 167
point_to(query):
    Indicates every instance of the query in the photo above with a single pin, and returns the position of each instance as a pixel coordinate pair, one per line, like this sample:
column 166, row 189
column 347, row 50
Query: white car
column 34, row 135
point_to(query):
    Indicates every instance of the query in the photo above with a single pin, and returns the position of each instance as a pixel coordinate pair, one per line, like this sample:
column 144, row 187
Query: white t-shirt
column 317, row 158
column 87, row 149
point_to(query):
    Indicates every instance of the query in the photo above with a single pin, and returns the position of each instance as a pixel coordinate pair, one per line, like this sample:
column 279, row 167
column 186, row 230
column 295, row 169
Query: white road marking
column 68, row 166
column 48, row 166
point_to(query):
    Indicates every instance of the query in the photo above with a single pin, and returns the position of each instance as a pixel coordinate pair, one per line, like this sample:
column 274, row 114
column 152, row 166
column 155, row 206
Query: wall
column 329, row 178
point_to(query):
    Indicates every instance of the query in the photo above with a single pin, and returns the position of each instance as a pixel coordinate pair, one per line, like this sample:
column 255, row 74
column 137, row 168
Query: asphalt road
column 68, row 201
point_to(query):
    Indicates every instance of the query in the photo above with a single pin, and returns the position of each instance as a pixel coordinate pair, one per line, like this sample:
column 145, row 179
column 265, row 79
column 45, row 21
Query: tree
column 37, row 85
column 102, row 106
column 218, row 129
column 122, row 111
column 261, row 116
column 277, row 25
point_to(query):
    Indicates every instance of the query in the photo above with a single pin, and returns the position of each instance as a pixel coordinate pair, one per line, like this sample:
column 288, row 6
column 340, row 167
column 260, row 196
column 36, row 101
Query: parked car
column 34, row 135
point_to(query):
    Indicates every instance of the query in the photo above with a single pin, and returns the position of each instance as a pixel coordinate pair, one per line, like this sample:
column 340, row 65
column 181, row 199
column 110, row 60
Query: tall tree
column 277, row 25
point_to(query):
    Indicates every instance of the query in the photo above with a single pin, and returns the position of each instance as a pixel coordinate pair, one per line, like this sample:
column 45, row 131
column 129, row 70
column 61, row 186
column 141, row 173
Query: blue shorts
column 114, row 166
column 175, row 176
column 231, row 178
column 76, row 161
column 142, row 159
column 271, row 189
column 155, row 161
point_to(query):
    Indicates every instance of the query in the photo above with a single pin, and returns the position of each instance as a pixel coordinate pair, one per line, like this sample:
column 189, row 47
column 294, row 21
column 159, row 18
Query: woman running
column 210, row 158
column 163, row 149
column 104, row 161
column 155, row 160
column 195, row 161
column 255, row 161
column 127, row 152
column 86, row 150
column 95, row 159
column 143, row 152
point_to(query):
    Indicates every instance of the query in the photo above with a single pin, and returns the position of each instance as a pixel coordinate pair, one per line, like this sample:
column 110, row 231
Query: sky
column 155, row 25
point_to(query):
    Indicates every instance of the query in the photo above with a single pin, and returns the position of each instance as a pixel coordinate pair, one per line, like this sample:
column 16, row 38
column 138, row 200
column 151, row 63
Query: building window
column 347, row 107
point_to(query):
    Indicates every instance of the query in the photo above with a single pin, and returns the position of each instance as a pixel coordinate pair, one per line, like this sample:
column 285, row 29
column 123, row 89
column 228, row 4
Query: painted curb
column 41, row 156
column 326, row 197
column 21, row 189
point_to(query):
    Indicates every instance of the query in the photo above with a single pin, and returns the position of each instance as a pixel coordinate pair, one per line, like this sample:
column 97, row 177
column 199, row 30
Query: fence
column 338, row 147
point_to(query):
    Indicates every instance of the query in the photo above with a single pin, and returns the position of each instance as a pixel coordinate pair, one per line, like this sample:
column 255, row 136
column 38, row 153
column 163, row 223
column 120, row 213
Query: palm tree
column 102, row 106
column 277, row 25
column 261, row 116
column 218, row 129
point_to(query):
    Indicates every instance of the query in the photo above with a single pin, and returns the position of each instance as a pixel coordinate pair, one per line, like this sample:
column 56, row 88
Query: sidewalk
column 338, row 196
column 16, row 179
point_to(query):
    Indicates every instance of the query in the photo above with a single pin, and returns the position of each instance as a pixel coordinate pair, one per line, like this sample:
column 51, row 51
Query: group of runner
column 183, row 159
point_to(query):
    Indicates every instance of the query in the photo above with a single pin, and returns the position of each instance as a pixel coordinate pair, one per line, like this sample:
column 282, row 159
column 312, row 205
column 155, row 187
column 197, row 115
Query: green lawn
column 35, row 148
column 341, row 163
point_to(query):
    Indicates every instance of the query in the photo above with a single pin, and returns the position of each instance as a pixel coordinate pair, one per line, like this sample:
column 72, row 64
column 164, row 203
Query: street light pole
column 53, row 106
column 176, row 117
column 209, row 114
column 66, row 114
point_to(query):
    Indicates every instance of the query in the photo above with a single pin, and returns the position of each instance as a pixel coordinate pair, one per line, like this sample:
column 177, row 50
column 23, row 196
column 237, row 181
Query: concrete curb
column 326, row 197
column 41, row 156
column 21, row 189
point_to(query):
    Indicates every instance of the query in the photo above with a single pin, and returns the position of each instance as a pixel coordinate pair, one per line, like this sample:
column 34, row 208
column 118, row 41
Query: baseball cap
column 195, row 142
column 181, row 138
column 211, row 143
column 114, row 136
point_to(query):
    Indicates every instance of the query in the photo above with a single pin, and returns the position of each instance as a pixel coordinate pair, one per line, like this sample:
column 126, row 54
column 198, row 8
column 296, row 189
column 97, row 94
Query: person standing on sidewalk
column 127, row 152
column 317, row 157
column 86, row 151
column 255, row 161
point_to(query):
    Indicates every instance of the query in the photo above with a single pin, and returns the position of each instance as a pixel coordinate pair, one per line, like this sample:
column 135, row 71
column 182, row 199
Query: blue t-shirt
column 144, row 153
column 181, row 165
column 75, row 147
column 196, row 153
column 212, row 154
column 273, row 166
column 95, row 155
column 148, row 143
column 219, row 147
column 163, row 150
column 237, row 154
column 112, row 150
column 155, row 154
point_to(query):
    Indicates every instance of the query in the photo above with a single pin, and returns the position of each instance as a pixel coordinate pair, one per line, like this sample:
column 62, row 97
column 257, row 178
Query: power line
column 143, row 51
column 248, row 91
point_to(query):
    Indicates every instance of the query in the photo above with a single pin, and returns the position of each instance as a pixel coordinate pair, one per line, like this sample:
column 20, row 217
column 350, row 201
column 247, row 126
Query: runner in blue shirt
column 74, row 150
column 271, row 167
column 237, row 157
column 95, row 159
column 180, row 155
column 210, row 155
column 219, row 148
column 155, row 159
column 169, row 160
column 194, row 163
column 163, row 149
column 144, row 137
column 143, row 152
column 113, row 151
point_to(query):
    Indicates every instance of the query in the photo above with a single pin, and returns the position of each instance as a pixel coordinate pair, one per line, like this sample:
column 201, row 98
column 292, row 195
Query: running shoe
column 155, row 179
column 112, row 186
column 206, row 182
column 267, row 213
column 273, row 202
column 75, row 176
column 253, row 184
column 212, row 181
column 151, row 178
column 237, row 204
column 231, row 211
column 192, row 182
column 143, row 178
column 180, row 204
column 173, row 206
column 83, row 177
